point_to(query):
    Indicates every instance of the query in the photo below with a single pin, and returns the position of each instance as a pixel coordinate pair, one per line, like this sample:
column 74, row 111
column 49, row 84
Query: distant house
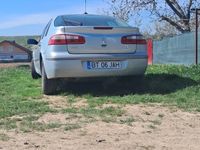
column 10, row 51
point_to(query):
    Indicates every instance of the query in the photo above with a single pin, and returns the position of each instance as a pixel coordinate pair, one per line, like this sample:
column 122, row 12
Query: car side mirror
column 32, row 42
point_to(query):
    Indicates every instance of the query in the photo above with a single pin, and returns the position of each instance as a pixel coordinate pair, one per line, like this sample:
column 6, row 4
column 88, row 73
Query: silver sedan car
column 80, row 46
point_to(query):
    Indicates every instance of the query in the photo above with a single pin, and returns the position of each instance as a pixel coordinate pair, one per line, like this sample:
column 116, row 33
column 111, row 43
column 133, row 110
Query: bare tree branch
column 176, row 8
column 176, row 25
column 176, row 12
column 189, row 9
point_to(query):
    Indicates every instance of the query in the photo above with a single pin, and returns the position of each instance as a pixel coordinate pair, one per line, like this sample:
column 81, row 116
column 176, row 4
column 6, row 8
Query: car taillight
column 64, row 39
column 133, row 39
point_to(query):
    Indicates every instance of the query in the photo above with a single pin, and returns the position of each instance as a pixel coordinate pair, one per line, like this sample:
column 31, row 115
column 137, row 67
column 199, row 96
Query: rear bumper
column 74, row 66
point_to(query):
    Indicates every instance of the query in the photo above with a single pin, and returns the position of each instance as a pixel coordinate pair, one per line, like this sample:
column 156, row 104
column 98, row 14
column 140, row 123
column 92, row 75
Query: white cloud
column 30, row 19
column 43, row 18
column 40, row 18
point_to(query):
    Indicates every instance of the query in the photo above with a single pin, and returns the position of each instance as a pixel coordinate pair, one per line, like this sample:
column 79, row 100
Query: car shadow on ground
column 151, row 84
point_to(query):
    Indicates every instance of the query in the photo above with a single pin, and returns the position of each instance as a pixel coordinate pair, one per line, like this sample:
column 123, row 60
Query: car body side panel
column 36, row 60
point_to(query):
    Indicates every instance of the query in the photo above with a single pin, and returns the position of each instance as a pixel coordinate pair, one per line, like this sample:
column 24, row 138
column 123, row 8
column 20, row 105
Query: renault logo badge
column 104, row 43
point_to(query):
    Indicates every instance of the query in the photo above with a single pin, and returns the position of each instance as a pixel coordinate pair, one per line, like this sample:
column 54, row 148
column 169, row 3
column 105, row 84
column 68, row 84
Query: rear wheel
column 34, row 74
column 49, row 86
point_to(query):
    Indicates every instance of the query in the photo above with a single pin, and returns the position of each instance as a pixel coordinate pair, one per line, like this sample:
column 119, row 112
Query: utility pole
column 196, row 11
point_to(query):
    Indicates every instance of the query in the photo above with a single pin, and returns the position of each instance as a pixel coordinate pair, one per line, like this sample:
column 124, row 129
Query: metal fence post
column 196, row 10
column 196, row 37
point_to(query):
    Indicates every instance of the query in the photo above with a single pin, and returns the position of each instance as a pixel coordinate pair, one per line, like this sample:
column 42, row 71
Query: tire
column 49, row 86
column 34, row 74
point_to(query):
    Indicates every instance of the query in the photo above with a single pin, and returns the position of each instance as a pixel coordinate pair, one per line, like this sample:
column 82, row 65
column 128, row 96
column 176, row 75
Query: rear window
column 70, row 20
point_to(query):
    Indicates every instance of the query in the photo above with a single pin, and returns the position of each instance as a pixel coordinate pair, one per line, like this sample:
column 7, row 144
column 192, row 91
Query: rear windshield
column 71, row 20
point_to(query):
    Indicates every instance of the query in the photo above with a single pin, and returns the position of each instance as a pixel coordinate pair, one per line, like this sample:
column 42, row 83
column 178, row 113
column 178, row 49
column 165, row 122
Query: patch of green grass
column 28, row 126
column 165, row 84
column 91, row 112
column 20, row 94
column 109, row 119
column 73, row 116
column 129, row 120
column 156, row 122
column 4, row 137
column 71, row 127
column 71, row 110
column 53, row 125
column 31, row 118
column 8, row 124
column 71, row 99
column 109, row 111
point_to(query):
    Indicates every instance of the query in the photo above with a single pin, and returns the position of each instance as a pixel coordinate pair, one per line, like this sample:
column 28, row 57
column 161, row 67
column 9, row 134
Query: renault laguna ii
column 82, row 46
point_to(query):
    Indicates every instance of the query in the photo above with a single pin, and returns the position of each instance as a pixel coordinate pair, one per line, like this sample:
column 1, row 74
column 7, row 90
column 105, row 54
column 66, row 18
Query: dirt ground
column 151, row 127
column 154, row 127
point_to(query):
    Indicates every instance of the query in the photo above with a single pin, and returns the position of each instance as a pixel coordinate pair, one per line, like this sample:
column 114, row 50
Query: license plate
column 104, row 64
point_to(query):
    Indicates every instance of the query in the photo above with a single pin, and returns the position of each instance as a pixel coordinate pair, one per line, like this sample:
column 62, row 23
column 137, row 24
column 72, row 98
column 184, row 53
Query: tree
column 159, row 30
column 176, row 13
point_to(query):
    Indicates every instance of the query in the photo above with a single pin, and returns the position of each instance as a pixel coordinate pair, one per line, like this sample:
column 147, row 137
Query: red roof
column 13, row 43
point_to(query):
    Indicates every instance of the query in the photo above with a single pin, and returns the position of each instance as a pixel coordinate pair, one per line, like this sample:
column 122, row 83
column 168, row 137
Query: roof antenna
column 85, row 7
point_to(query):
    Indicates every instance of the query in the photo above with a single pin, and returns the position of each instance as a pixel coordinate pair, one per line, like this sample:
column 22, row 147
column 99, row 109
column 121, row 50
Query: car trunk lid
column 101, row 39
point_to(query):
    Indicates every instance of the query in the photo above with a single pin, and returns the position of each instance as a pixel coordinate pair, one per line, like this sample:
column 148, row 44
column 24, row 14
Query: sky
column 29, row 17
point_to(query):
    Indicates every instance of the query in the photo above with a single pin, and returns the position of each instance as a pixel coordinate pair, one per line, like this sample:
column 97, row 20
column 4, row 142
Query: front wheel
column 49, row 86
column 34, row 74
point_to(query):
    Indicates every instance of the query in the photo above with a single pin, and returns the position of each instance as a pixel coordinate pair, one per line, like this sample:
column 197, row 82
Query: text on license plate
column 104, row 64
